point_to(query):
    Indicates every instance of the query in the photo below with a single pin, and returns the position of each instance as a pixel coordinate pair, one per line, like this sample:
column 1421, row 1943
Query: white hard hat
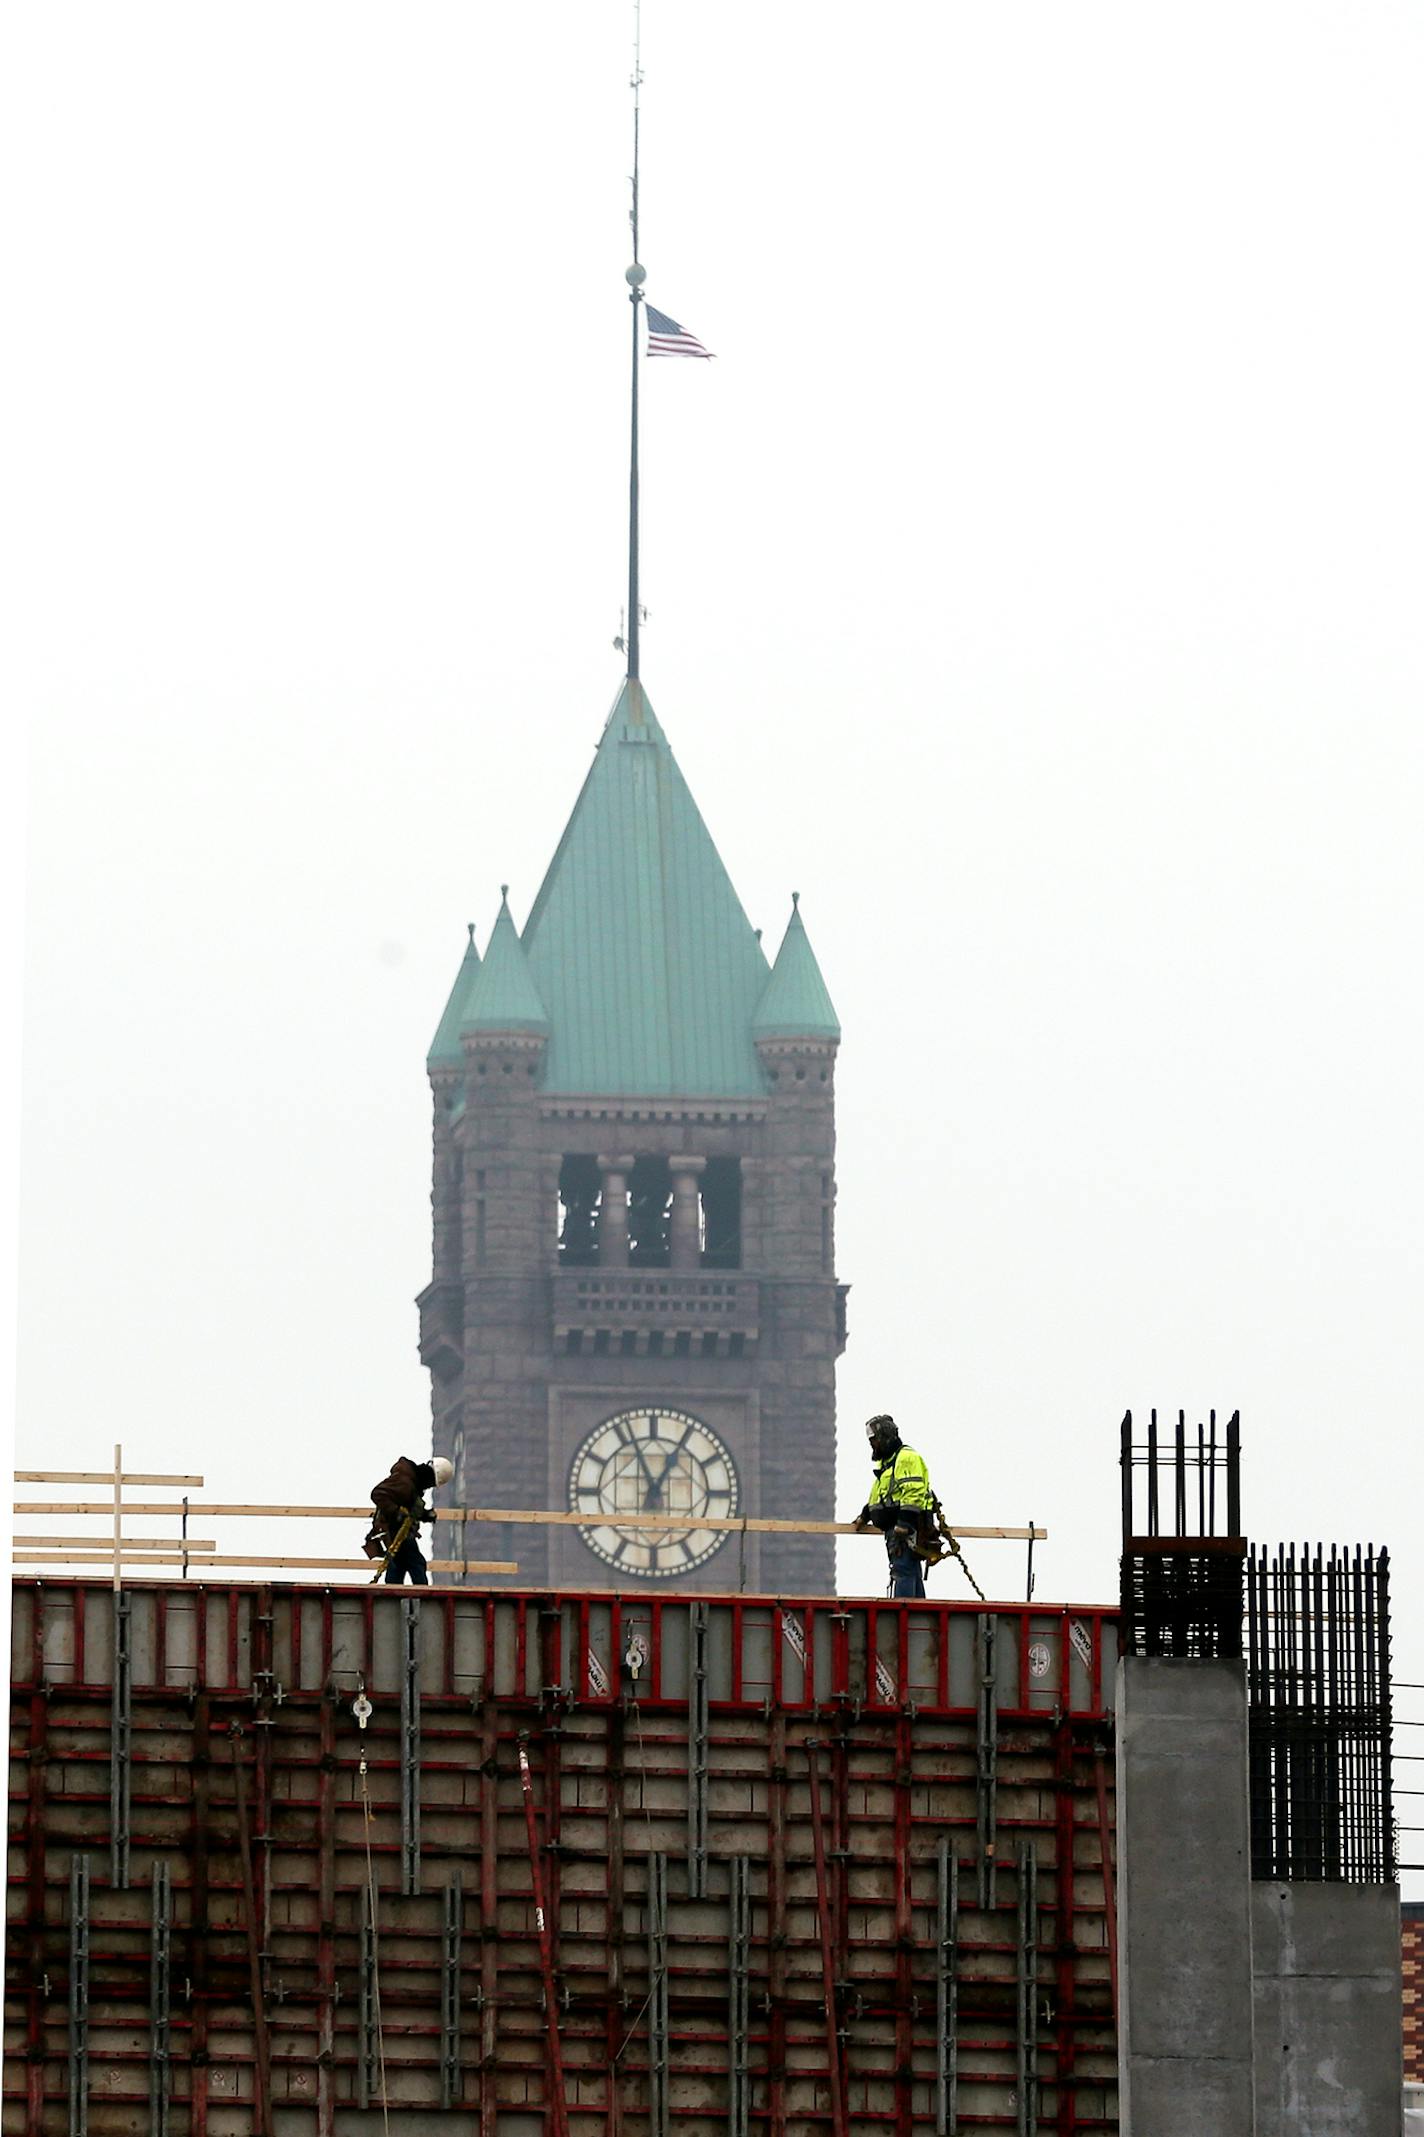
column 444, row 1470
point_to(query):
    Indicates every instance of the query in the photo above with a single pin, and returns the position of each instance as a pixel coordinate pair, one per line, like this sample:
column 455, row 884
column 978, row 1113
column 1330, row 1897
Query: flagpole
column 636, row 276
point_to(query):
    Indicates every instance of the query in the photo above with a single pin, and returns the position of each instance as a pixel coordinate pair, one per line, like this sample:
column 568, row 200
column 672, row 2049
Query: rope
column 957, row 1553
column 375, row 1952
column 400, row 1536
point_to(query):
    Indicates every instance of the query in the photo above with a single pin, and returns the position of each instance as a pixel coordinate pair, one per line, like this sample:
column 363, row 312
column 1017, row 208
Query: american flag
column 667, row 338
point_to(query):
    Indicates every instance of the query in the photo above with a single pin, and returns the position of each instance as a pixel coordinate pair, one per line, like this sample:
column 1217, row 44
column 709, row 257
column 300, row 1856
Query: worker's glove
column 906, row 1535
column 864, row 1519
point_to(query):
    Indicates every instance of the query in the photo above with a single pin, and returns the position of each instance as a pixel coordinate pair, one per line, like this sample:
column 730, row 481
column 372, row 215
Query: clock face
column 647, row 1462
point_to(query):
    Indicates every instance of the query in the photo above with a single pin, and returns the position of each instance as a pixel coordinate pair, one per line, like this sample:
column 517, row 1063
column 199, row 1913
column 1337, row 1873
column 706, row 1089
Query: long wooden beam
column 733, row 1524
column 198, row 1506
column 136, row 1563
column 100, row 1476
column 91, row 1543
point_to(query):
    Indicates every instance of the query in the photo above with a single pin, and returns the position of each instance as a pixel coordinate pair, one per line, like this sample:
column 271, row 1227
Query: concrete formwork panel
column 801, row 1867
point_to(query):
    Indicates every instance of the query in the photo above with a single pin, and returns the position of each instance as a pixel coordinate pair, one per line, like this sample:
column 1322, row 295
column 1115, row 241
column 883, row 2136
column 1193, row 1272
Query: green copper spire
column 796, row 1004
column 504, row 996
column 637, row 941
column 445, row 1046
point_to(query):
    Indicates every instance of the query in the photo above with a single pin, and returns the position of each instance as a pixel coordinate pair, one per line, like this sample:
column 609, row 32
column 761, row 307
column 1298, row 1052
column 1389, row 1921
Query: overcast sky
column 1033, row 585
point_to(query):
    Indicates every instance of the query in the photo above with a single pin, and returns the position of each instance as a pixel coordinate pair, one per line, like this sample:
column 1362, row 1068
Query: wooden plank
column 734, row 1525
column 100, row 1476
column 753, row 1525
column 175, row 1558
column 91, row 1543
column 174, row 1507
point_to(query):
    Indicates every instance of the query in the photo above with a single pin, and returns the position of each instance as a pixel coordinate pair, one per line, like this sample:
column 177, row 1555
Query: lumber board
column 136, row 1563
column 102, row 1543
column 101, row 1476
column 733, row 1524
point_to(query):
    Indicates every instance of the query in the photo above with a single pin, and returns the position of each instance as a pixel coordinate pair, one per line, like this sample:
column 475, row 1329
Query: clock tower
column 634, row 1305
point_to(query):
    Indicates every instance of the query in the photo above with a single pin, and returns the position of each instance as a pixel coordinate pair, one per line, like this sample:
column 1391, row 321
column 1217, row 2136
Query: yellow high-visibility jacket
column 904, row 1480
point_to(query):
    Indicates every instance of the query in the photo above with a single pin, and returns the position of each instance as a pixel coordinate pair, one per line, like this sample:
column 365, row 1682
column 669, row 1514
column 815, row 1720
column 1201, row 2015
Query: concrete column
column 685, row 1230
column 613, row 1212
column 1329, row 2009
column 1184, row 1900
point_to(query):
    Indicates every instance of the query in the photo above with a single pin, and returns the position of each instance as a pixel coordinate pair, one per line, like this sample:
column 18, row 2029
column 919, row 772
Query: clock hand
column 654, row 1483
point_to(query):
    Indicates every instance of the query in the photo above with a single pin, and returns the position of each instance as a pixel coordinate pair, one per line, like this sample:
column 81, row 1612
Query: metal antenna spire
column 636, row 277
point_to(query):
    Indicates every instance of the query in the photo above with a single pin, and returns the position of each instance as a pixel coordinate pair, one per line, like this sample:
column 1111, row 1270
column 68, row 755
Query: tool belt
column 930, row 1535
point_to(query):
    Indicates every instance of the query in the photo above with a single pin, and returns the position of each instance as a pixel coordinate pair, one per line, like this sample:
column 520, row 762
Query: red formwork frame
column 842, row 1739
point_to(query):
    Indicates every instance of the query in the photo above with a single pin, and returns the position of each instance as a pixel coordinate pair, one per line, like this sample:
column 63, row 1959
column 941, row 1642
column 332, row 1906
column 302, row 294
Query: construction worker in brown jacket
column 399, row 1500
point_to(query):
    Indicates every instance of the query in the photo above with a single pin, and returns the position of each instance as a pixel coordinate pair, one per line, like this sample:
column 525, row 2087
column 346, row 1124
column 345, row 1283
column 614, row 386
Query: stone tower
column 634, row 1305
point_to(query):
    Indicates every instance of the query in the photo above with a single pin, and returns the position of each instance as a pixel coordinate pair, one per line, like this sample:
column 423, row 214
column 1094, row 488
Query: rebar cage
column 1181, row 1571
column 1318, row 1675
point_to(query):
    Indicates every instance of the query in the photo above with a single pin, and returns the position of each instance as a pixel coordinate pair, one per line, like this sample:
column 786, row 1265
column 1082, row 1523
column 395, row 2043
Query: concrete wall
column 1327, row 2008
column 1184, row 1899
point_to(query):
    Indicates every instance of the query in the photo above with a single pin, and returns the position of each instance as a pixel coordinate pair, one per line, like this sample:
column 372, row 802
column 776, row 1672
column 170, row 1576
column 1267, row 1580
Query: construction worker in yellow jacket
column 900, row 1505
